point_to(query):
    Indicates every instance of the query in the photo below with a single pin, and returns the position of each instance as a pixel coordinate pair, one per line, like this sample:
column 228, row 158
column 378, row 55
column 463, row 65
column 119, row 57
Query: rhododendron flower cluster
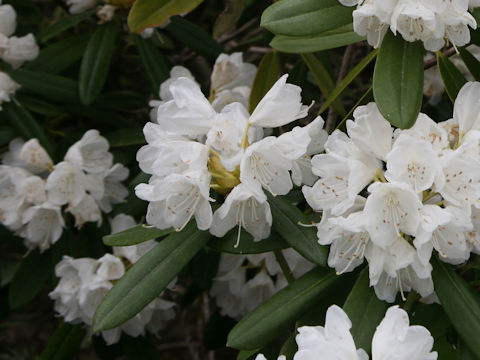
column 199, row 143
column 244, row 282
column 393, row 196
column 33, row 190
column 431, row 22
column 393, row 339
column 85, row 281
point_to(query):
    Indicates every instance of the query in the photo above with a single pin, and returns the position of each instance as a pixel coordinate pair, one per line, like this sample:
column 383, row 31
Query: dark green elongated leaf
column 312, row 43
column 96, row 62
column 151, row 13
column 281, row 311
column 194, row 37
column 36, row 105
column 286, row 219
column 348, row 79
column 64, row 342
column 60, row 56
column 148, row 277
column 62, row 25
column 452, row 78
column 365, row 311
column 125, row 137
column 365, row 99
column 228, row 18
column 246, row 245
column 106, row 117
column 289, row 347
column 6, row 135
column 154, row 64
column 246, row 354
column 48, row 86
column 460, row 302
column 121, row 100
column 267, row 75
column 30, row 278
column 135, row 236
column 307, row 17
column 471, row 62
column 398, row 80
column 323, row 79
column 25, row 124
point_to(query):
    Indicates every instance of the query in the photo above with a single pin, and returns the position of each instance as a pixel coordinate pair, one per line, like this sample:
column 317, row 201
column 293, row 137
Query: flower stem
column 284, row 265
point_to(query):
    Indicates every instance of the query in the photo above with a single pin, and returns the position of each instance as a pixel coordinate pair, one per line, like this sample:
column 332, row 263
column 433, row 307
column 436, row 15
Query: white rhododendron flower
column 8, row 87
column 394, row 338
column 431, row 22
column 79, row 6
column 8, row 20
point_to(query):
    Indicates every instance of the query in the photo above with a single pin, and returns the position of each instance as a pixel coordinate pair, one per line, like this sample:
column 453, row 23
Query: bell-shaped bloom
column 230, row 72
column 391, row 208
column 370, row 131
column 246, row 209
column 264, row 165
column 79, row 6
column 44, row 225
column 90, row 153
column 189, row 112
column 225, row 136
column 428, row 130
column 371, row 21
column 86, row 210
column 8, row 87
column 466, row 110
column 176, row 198
column 66, row 184
column 331, row 342
column 414, row 162
column 396, row 339
column 414, row 21
column 281, row 105
column 8, row 20
column 35, row 156
column 17, row 50
column 114, row 191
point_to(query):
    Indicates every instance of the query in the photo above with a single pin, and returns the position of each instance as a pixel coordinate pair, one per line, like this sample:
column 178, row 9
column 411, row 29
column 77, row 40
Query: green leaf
column 135, row 236
column 36, row 105
column 306, row 17
column 246, row 354
column 148, row 277
column 286, row 219
column 125, row 137
column 7, row 134
column 365, row 311
column 154, row 64
column 323, row 79
column 96, row 62
column 62, row 25
column 195, row 37
column 267, row 75
column 471, row 62
column 312, row 43
column 460, row 302
column 151, row 13
column 64, row 342
column 60, row 56
column 246, row 245
column 228, row 18
column 47, row 86
column 25, row 124
column 29, row 279
column 122, row 99
column 348, row 79
column 398, row 80
column 452, row 78
column 281, row 311
column 289, row 347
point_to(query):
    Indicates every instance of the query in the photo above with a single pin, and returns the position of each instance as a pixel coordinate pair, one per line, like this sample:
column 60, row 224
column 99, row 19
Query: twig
column 433, row 61
column 346, row 60
column 232, row 34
